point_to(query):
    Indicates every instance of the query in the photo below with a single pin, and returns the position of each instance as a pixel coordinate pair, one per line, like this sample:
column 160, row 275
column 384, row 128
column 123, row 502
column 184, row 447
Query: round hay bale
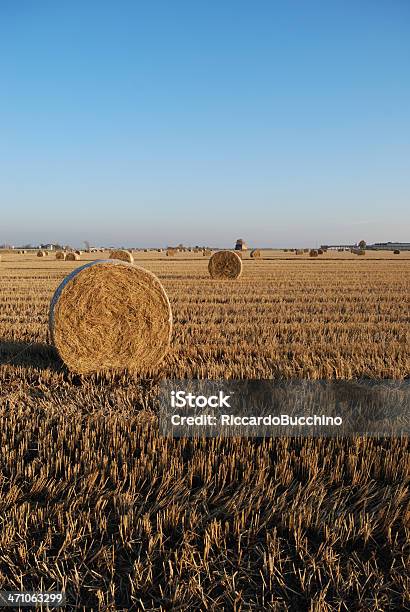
column 255, row 254
column 225, row 265
column 320, row 252
column 60, row 255
column 46, row 253
column 110, row 315
column 41, row 254
column 207, row 252
column 396, row 252
column 361, row 252
column 71, row 256
column 313, row 253
column 299, row 252
column 122, row 255
column 171, row 252
column 78, row 252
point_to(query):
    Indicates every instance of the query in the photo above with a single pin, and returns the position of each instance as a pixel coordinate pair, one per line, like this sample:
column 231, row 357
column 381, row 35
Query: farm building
column 240, row 245
column 337, row 247
column 389, row 246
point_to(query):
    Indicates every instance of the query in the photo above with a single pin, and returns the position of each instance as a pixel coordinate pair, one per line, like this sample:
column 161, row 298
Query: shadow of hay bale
column 29, row 355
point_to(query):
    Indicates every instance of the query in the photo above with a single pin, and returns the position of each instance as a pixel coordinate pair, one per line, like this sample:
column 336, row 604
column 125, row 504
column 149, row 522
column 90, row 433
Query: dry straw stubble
column 225, row 265
column 111, row 315
column 122, row 255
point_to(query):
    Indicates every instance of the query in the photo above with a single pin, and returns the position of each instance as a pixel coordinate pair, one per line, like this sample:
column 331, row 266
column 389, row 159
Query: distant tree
column 362, row 244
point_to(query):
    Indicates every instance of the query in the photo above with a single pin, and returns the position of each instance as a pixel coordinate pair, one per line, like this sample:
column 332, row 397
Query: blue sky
column 143, row 123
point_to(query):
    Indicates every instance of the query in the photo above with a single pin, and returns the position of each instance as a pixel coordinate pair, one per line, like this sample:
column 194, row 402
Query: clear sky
column 285, row 122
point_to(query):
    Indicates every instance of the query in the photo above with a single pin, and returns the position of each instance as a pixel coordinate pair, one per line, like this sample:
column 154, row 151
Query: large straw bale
column 122, row 255
column 41, row 253
column 72, row 256
column 255, row 254
column 110, row 315
column 60, row 255
column 225, row 265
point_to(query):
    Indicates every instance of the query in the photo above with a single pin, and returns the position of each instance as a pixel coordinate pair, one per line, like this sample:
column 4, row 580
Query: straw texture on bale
column 255, row 253
column 207, row 252
column 320, row 252
column 40, row 254
column 122, row 255
column 299, row 251
column 396, row 252
column 171, row 252
column 110, row 315
column 313, row 253
column 72, row 256
column 225, row 265
column 60, row 255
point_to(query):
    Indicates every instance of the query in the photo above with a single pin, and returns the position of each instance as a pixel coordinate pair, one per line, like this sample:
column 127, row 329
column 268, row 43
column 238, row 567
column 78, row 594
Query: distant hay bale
column 306, row 250
column 299, row 252
column 72, row 256
column 46, row 253
column 171, row 252
column 255, row 254
column 225, row 265
column 122, row 255
column 110, row 315
column 78, row 252
column 360, row 252
column 206, row 252
column 41, row 254
column 396, row 252
column 320, row 252
column 60, row 255
column 313, row 253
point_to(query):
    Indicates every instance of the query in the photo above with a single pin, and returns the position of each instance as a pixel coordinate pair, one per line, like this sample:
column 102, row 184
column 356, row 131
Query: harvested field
column 94, row 501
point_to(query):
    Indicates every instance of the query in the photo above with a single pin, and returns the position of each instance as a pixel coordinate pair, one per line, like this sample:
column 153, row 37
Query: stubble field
column 94, row 501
